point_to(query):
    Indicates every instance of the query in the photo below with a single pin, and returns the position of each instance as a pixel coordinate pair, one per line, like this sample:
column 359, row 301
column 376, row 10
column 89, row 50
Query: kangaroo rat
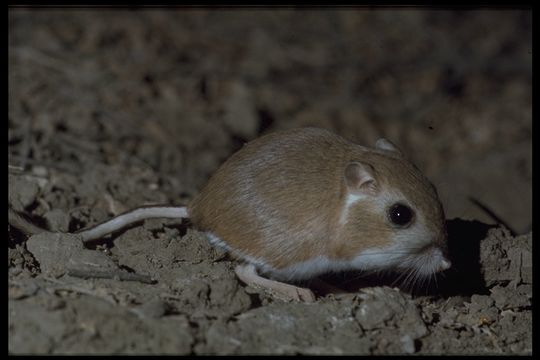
column 295, row 204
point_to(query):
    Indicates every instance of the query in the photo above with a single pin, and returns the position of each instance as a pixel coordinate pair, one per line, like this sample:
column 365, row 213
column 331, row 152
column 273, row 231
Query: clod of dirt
column 394, row 313
column 58, row 253
column 204, row 290
column 57, row 220
column 36, row 329
column 194, row 248
column 155, row 246
column 22, row 289
column 22, row 192
column 512, row 298
column 481, row 310
column 289, row 328
column 93, row 326
column 505, row 258
column 21, row 260
column 154, row 309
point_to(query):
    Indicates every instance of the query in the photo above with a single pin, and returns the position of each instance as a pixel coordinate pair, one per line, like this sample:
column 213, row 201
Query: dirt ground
column 114, row 109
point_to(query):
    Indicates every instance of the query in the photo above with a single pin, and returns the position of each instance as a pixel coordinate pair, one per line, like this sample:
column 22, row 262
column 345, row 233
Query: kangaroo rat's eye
column 400, row 215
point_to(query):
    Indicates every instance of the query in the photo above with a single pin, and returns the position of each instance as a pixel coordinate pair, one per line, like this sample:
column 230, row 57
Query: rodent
column 298, row 203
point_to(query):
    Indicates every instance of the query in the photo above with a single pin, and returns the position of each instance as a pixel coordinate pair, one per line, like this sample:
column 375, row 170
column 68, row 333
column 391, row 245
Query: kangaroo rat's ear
column 360, row 178
column 384, row 144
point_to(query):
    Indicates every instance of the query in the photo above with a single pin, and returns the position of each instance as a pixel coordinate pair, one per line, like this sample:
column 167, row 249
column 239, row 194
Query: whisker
column 359, row 275
column 418, row 264
column 415, row 279
column 427, row 281
column 407, row 281
column 398, row 278
column 434, row 275
column 424, row 282
column 416, row 285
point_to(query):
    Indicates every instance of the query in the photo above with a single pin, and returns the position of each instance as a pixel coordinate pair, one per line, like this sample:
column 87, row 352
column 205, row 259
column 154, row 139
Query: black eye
column 400, row 214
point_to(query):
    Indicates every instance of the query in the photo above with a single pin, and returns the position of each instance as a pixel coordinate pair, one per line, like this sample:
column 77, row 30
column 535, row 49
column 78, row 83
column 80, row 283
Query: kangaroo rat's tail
column 131, row 217
column 109, row 226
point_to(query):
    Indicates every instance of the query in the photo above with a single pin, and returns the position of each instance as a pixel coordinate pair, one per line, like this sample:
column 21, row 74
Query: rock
column 407, row 344
column 154, row 309
column 505, row 258
column 21, row 290
column 58, row 253
column 57, row 220
column 509, row 298
column 21, row 192
column 383, row 307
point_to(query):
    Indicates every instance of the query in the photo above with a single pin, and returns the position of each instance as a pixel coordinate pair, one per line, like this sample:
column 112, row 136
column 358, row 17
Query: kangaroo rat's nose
column 445, row 265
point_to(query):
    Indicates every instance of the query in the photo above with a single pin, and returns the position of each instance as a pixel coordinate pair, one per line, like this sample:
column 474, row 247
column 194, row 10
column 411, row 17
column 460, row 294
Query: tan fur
column 280, row 197
column 367, row 228
column 406, row 177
